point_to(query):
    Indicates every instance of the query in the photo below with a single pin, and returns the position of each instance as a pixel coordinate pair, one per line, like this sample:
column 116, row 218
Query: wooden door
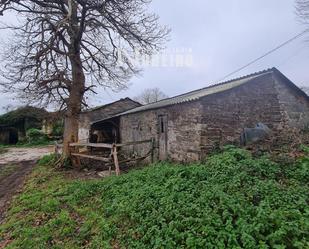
column 162, row 125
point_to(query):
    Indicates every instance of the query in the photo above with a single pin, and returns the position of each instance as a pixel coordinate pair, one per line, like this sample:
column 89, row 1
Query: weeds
column 231, row 201
column 48, row 160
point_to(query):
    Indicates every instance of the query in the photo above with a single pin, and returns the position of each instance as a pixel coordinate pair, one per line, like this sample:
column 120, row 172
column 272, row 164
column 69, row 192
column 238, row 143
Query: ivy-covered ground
column 231, row 201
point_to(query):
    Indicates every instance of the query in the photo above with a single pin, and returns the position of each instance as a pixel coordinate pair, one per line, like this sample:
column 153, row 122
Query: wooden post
column 116, row 162
column 74, row 150
column 110, row 170
column 78, row 162
column 56, row 148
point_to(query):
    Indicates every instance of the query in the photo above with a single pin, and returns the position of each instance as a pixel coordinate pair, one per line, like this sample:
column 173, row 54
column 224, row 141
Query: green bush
column 34, row 133
column 58, row 129
column 305, row 149
column 33, row 115
column 35, row 136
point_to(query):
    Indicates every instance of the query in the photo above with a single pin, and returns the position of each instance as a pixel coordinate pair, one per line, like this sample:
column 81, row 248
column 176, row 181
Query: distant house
column 187, row 127
column 14, row 124
column 88, row 131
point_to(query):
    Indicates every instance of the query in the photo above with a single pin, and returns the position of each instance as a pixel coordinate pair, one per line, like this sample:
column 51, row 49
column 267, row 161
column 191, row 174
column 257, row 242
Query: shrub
column 305, row 149
column 58, row 129
column 34, row 133
column 33, row 115
column 35, row 136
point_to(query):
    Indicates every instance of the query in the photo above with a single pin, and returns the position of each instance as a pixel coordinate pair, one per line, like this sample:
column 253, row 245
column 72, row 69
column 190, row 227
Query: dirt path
column 15, row 164
column 24, row 154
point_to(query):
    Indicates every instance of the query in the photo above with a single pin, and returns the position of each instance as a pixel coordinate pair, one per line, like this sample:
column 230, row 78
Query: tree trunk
column 77, row 88
column 74, row 105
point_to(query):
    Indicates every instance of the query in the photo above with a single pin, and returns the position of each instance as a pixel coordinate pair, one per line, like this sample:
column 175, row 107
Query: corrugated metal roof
column 106, row 105
column 217, row 88
column 197, row 94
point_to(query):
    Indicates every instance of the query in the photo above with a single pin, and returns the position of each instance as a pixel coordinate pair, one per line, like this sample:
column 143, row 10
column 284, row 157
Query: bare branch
column 63, row 49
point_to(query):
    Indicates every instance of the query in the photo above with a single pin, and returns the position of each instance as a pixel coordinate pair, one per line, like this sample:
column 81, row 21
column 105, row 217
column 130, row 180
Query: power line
column 266, row 54
column 292, row 56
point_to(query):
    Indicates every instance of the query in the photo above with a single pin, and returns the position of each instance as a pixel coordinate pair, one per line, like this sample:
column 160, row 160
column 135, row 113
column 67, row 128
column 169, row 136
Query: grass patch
column 48, row 160
column 4, row 147
column 231, row 201
column 35, row 144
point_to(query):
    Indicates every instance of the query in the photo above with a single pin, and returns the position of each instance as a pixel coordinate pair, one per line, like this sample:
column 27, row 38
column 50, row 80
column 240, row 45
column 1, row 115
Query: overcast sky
column 223, row 36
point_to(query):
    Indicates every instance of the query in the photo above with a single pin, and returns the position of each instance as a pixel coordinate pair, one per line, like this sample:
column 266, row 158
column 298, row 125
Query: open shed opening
column 106, row 131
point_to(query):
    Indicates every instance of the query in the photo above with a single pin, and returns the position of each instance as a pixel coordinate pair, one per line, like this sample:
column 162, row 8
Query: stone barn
column 102, row 133
column 187, row 127
column 14, row 124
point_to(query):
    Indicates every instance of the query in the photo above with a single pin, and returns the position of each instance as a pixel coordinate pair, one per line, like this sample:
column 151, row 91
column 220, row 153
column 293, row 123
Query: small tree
column 63, row 49
column 150, row 95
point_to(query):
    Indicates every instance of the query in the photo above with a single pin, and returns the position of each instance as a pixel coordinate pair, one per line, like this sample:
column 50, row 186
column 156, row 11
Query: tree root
column 62, row 162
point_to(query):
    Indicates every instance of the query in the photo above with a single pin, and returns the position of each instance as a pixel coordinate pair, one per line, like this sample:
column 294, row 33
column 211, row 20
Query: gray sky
column 223, row 36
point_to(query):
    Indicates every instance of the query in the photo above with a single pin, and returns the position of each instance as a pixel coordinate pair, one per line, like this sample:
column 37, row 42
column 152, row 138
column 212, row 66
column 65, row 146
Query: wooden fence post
column 76, row 154
column 56, row 149
column 116, row 162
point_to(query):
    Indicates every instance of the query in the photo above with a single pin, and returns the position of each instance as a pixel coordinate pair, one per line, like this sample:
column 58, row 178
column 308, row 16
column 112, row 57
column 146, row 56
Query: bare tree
column 8, row 108
column 150, row 95
column 63, row 49
column 302, row 9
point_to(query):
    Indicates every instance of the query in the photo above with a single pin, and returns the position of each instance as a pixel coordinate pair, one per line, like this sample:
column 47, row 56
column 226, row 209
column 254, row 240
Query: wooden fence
column 114, row 151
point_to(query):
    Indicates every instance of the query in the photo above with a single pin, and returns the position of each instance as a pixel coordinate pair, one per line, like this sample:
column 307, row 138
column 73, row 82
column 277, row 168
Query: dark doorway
column 162, row 130
column 8, row 135
column 13, row 137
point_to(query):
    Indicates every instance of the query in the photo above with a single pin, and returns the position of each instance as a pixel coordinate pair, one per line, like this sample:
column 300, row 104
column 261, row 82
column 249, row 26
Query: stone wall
column 4, row 136
column 226, row 114
column 197, row 128
column 84, row 127
column 294, row 106
column 138, row 127
column 183, row 133
column 100, row 113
